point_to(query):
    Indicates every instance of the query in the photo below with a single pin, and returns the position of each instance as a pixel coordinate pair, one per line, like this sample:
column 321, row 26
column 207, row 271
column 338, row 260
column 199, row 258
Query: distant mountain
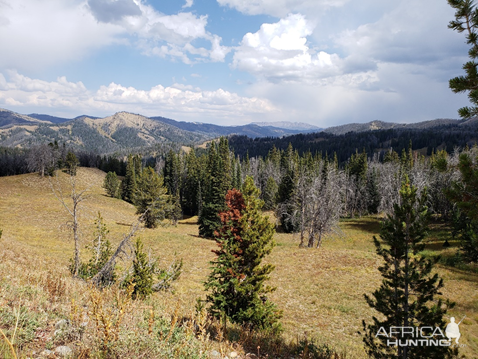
column 123, row 131
column 251, row 130
column 48, row 118
column 376, row 138
column 54, row 119
column 104, row 135
column 295, row 126
column 380, row 125
column 10, row 118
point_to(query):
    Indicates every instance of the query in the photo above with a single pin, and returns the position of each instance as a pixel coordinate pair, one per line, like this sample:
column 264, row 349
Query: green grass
column 320, row 291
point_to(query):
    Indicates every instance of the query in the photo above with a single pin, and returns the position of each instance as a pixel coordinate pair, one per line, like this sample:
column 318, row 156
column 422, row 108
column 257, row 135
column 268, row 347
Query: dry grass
column 320, row 291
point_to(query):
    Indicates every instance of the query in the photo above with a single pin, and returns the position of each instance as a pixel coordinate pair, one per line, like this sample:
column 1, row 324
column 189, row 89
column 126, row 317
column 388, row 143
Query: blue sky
column 229, row 62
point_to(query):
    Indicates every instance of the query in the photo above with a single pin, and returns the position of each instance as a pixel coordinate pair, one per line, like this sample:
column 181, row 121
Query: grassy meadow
column 319, row 290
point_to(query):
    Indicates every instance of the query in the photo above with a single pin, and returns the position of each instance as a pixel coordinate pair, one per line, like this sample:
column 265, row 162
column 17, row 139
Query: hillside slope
column 10, row 118
column 252, row 130
column 318, row 290
column 120, row 131
column 381, row 125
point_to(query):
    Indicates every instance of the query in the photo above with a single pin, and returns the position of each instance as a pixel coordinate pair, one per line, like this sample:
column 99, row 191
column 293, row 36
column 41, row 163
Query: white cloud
column 164, row 35
column 279, row 52
column 413, row 32
column 113, row 10
column 279, row 8
column 178, row 101
column 36, row 34
column 392, row 93
column 188, row 3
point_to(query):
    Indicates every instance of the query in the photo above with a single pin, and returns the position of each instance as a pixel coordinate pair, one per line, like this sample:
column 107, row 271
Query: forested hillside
column 377, row 141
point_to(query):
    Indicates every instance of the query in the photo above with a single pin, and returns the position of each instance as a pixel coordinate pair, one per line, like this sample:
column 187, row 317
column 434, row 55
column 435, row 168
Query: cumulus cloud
column 178, row 101
column 160, row 34
column 188, row 3
column 403, row 36
column 113, row 10
column 279, row 52
column 279, row 8
column 35, row 34
column 56, row 31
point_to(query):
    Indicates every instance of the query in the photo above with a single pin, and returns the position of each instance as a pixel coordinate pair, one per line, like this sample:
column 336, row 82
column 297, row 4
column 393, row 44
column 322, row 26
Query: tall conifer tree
column 466, row 20
column 407, row 296
column 236, row 284
column 129, row 182
column 151, row 197
column 218, row 181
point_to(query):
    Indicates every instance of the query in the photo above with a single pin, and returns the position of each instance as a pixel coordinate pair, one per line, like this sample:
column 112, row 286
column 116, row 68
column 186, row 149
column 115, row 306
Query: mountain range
column 125, row 130
column 380, row 125
column 119, row 131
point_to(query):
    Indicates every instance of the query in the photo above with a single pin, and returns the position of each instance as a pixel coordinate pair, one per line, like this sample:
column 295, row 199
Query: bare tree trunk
column 319, row 242
column 76, row 237
column 105, row 272
column 311, row 239
column 77, row 198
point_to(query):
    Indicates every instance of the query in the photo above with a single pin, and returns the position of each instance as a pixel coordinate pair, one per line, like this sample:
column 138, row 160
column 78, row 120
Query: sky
column 232, row 62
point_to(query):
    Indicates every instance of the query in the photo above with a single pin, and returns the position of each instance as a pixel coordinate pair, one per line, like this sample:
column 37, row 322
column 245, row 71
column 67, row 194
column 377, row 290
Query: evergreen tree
column 407, row 296
column 112, row 185
column 466, row 20
column 190, row 184
column 237, row 180
column 225, row 165
column 213, row 199
column 101, row 252
column 151, row 198
column 270, row 194
column 138, row 166
column 464, row 194
column 71, row 163
column 142, row 276
column 391, row 156
column 172, row 173
column 373, row 193
column 285, row 209
column 236, row 284
column 172, row 181
column 129, row 182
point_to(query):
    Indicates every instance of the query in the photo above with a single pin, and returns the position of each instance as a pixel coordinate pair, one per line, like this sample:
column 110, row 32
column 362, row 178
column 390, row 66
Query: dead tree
column 317, row 204
column 73, row 210
column 123, row 246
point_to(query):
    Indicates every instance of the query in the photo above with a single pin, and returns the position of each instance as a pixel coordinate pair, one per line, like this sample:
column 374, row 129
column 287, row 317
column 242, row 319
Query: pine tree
column 236, row 284
column 225, row 165
column 142, row 276
column 466, row 20
column 101, row 252
column 71, row 163
column 464, row 194
column 285, row 209
column 112, row 185
column 138, row 166
column 172, row 181
column 190, row 184
column 407, row 296
column 213, row 199
column 373, row 193
column 129, row 183
column 151, row 197
column 237, row 179
column 172, row 173
column 270, row 194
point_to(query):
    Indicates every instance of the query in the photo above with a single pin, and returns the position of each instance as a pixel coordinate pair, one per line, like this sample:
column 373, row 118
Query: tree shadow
column 369, row 224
